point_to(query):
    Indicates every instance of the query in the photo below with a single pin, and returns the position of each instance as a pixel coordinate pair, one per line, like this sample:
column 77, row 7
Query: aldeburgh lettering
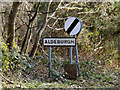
column 59, row 41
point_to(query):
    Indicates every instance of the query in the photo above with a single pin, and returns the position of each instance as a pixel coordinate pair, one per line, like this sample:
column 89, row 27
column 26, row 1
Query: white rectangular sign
column 50, row 41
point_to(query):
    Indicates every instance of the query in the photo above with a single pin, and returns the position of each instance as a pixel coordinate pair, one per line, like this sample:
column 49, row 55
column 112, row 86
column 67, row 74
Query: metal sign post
column 70, row 55
column 77, row 57
column 49, row 62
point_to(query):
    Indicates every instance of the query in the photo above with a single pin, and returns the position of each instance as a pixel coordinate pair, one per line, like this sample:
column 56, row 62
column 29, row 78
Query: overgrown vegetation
column 98, row 45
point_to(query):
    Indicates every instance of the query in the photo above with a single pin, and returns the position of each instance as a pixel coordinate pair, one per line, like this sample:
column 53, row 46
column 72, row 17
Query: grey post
column 70, row 54
column 77, row 58
column 49, row 61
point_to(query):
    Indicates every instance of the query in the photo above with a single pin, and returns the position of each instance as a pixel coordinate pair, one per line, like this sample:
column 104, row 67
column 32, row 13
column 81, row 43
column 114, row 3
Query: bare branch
column 43, row 51
column 19, row 27
column 35, row 14
column 11, row 82
column 87, row 13
column 58, row 18
column 42, row 12
column 51, row 28
column 22, row 20
column 71, row 8
column 59, row 29
column 68, row 4
column 56, row 10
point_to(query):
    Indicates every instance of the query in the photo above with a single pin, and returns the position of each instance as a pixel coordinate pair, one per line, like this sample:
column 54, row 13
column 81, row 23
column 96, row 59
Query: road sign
column 73, row 26
column 51, row 41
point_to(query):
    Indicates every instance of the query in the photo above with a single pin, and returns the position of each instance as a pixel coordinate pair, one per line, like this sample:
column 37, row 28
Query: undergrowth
column 22, row 70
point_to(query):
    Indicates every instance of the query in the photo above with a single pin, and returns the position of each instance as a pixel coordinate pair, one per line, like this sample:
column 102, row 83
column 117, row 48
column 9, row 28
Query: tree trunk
column 40, row 30
column 11, row 21
column 27, row 43
column 25, row 38
column 28, row 32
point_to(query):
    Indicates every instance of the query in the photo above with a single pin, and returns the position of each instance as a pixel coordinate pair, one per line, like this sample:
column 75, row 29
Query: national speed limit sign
column 73, row 25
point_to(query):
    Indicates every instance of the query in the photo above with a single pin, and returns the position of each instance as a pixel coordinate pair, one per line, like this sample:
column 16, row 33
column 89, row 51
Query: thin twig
column 87, row 13
column 58, row 18
column 11, row 82
column 43, row 51
column 19, row 27
column 70, row 8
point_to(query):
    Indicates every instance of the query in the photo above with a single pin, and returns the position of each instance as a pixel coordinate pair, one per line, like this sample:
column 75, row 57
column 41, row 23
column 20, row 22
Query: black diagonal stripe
column 72, row 26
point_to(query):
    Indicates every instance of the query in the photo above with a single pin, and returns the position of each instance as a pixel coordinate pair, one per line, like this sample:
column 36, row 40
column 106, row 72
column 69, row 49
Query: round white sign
column 73, row 25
